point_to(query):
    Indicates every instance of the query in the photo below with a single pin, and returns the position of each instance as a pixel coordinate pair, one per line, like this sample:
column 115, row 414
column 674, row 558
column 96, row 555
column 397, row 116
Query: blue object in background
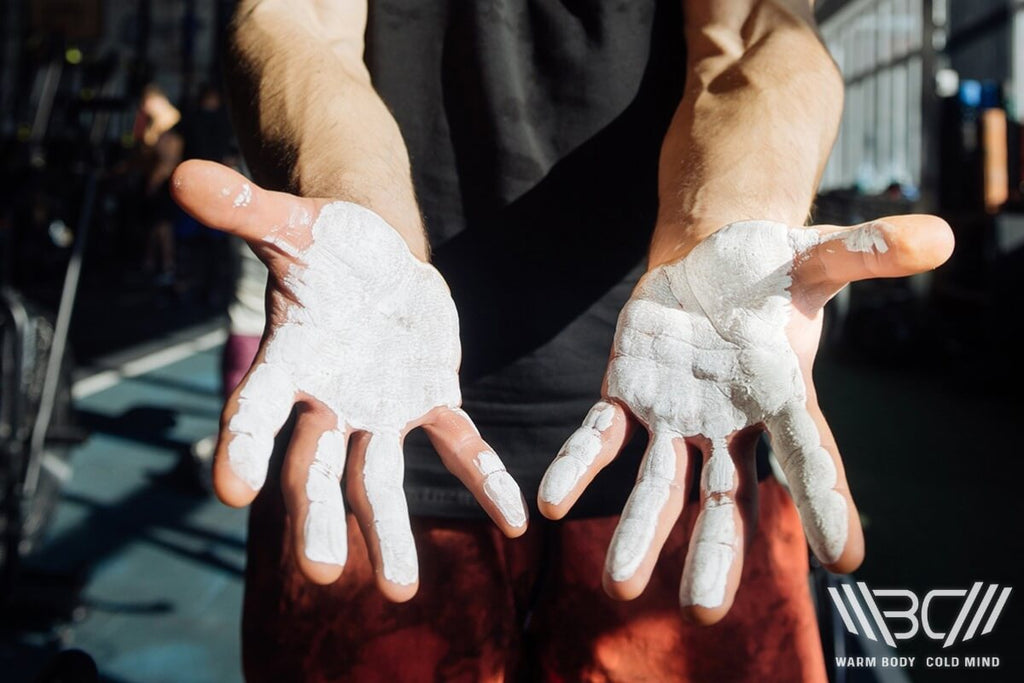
column 970, row 93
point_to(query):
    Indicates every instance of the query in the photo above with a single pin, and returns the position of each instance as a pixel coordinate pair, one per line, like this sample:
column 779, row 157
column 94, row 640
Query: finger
column 223, row 199
column 714, row 561
column 252, row 417
column 807, row 453
column 311, row 484
column 378, row 501
column 588, row 450
column 894, row 246
column 468, row 457
column 650, row 512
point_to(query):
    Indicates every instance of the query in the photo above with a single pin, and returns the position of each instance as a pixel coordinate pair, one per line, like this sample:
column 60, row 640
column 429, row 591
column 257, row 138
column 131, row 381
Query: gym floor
column 140, row 569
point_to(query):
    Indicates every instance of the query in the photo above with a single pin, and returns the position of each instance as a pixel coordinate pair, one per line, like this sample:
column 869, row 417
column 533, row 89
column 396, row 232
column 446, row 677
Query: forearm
column 308, row 118
column 753, row 131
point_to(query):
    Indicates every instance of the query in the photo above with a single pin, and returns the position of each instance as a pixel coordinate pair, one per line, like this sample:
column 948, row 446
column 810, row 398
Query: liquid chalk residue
column 701, row 350
column 576, row 455
column 866, row 238
column 501, row 488
column 244, row 196
column 382, row 476
column 373, row 335
column 714, row 550
column 635, row 532
column 714, row 546
column 326, row 531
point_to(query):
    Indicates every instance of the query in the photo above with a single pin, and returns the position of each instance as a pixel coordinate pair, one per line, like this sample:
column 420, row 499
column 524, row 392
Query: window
column 877, row 45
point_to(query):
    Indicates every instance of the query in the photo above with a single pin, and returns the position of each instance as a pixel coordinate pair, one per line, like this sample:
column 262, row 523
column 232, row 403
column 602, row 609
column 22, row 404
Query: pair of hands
column 362, row 339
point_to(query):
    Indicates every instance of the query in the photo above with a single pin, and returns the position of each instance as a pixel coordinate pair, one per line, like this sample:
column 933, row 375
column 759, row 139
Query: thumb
column 894, row 246
column 225, row 200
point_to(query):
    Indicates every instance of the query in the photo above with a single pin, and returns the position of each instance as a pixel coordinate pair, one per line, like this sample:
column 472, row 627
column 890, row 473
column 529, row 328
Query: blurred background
column 115, row 555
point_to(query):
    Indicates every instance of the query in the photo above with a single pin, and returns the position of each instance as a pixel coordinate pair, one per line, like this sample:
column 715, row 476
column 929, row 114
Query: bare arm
column 718, row 341
column 756, row 123
column 361, row 341
column 308, row 118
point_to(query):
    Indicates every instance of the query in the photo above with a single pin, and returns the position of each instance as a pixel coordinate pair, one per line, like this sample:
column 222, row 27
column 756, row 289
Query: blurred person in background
column 162, row 149
column 207, row 129
column 208, row 260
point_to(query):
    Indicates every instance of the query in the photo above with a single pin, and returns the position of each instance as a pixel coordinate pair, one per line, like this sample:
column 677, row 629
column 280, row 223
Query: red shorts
column 236, row 358
column 532, row 608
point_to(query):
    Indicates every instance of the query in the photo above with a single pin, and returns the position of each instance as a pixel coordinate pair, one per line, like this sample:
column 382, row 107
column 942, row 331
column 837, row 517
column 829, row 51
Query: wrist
column 389, row 194
column 673, row 241
column 311, row 123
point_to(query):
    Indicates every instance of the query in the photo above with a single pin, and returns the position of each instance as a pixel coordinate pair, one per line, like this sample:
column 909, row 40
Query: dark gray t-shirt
column 533, row 128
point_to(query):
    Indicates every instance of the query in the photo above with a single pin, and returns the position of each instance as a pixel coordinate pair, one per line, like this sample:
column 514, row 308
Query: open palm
column 709, row 350
column 363, row 338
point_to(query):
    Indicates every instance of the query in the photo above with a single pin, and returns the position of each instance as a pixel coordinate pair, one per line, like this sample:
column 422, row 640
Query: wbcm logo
column 913, row 613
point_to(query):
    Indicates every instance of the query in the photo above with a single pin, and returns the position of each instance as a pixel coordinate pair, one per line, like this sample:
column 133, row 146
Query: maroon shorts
column 236, row 358
column 532, row 608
